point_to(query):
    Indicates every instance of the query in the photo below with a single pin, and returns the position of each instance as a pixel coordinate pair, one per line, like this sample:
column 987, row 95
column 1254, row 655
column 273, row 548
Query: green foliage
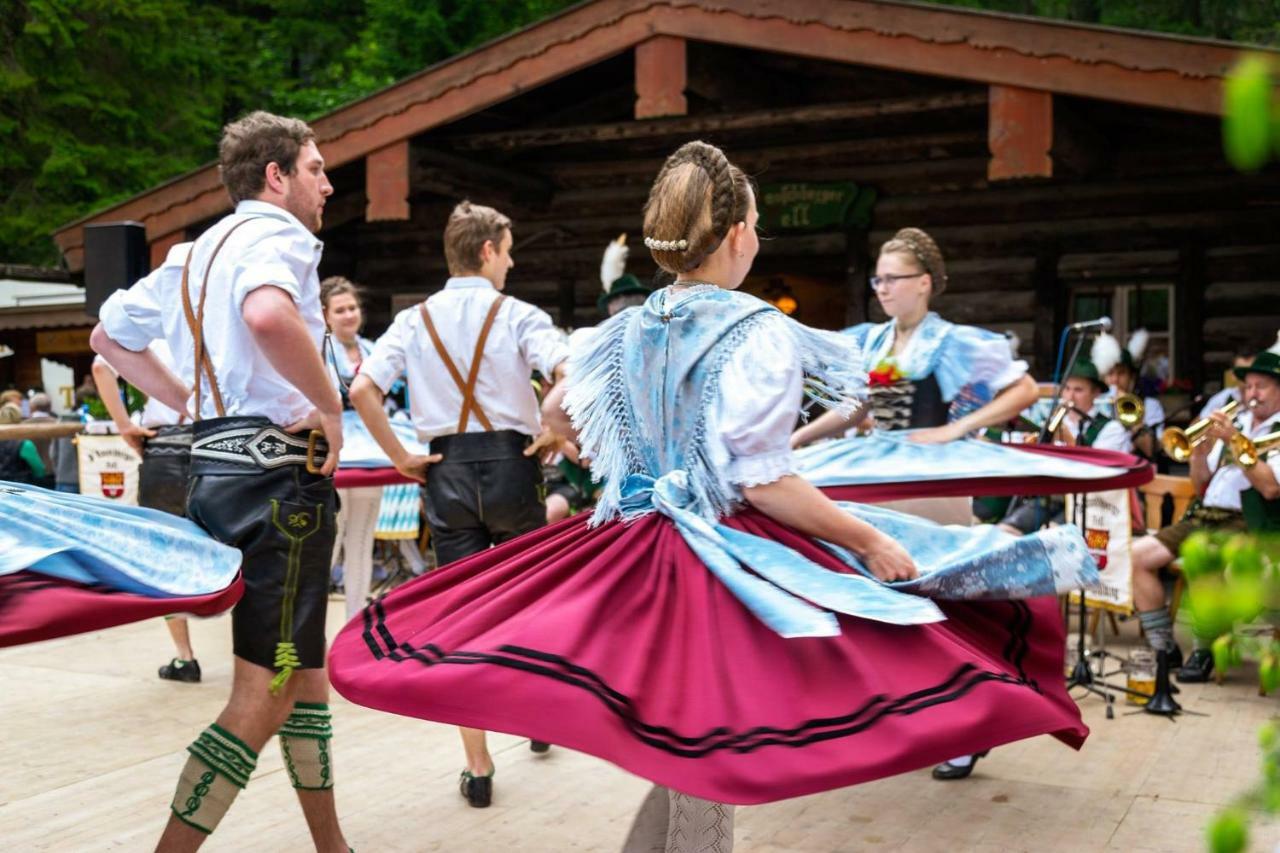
column 102, row 99
column 1251, row 121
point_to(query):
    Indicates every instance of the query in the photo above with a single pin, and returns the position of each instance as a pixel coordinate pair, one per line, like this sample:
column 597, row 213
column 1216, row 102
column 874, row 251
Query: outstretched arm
column 1002, row 409
column 797, row 503
column 827, row 424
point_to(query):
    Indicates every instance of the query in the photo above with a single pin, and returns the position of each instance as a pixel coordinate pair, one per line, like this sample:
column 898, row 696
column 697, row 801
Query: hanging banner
column 1108, row 533
column 108, row 468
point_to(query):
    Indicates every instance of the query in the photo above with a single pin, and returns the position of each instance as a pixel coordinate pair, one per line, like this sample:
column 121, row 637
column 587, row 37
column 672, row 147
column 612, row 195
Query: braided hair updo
column 696, row 198
column 919, row 245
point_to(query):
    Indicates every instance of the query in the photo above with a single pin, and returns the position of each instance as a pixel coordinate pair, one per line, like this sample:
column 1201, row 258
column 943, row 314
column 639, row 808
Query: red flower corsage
column 884, row 374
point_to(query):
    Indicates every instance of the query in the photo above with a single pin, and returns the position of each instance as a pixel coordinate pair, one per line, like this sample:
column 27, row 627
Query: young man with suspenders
column 469, row 352
column 249, row 333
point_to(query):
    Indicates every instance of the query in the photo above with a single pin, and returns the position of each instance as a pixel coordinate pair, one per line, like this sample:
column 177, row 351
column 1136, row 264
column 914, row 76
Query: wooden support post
column 1019, row 133
column 386, row 183
column 1188, row 312
column 857, row 274
column 161, row 245
column 1051, row 312
column 661, row 76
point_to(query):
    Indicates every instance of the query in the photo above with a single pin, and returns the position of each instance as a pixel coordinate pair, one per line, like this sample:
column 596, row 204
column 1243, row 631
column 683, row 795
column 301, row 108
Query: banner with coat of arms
column 1108, row 533
column 108, row 468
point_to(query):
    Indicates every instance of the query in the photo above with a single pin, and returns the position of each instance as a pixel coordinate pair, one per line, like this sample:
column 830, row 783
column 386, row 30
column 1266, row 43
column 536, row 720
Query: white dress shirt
column 1218, row 400
column 1113, row 436
column 521, row 340
column 275, row 249
column 1228, row 481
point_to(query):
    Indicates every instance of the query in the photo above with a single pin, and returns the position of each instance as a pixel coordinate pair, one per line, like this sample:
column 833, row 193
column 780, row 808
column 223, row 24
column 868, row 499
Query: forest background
column 101, row 99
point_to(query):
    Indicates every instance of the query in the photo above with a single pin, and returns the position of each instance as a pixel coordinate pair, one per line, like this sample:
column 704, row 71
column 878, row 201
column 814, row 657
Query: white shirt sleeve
column 542, row 345
column 974, row 356
column 279, row 260
column 760, row 392
column 386, row 363
column 132, row 318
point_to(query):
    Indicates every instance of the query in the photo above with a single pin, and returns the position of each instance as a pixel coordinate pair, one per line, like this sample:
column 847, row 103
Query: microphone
column 1102, row 324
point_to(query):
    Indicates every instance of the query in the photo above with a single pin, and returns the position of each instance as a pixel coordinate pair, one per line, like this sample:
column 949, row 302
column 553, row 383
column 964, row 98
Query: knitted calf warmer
column 304, row 742
column 218, row 768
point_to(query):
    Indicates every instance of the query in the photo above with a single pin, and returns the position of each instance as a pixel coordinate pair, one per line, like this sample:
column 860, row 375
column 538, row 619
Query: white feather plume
column 1275, row 348
column 614, row 263
column 1138, row 343
column 1105, row 353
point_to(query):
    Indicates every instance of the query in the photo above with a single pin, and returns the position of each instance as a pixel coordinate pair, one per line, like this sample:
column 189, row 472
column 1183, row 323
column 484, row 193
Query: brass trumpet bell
column 1177, row 444
column 1055, row 419
column 1130, row 410
column 1247, row 452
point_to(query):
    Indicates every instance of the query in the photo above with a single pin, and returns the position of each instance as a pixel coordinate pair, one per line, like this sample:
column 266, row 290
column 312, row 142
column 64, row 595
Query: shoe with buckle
column 181, row 670
column 1198, row 667
column 947, row 771
column 477, row 790
column 539, row 746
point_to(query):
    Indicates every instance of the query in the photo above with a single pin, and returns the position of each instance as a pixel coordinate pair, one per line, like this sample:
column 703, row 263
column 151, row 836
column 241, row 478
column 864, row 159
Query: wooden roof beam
column 716, row 123
column 662, row 74
column 1020, row 133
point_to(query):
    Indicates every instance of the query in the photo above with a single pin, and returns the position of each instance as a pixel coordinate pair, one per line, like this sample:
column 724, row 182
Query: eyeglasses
column 885, row 281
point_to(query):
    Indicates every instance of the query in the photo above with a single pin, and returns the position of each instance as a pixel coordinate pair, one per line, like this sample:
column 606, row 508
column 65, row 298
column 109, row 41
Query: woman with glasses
column 918, row 364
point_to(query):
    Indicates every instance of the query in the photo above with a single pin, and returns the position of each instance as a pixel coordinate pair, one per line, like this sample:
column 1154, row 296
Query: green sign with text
column 814, row 206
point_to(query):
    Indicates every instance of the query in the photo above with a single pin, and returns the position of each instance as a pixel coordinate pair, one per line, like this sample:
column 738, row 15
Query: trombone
column 1056, row 418
column 1178, row 444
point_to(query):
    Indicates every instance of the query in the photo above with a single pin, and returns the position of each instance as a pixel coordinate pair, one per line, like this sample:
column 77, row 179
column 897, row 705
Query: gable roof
column 1144, row 69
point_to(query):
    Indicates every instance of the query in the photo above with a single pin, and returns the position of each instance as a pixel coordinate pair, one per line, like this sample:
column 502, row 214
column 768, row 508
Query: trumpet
column 1130, row 410
column 1177, row 444
column 1248, row 452
column 1058, row 415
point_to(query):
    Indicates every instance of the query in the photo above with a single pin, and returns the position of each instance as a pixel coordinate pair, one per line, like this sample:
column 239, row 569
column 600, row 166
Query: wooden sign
column 63, row 341
column 815, row 206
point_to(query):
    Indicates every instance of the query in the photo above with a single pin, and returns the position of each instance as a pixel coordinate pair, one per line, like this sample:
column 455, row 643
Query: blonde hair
column 696, row 198
column 919, row 245
column 470, row 225
column 10, row 414
column 248, row 145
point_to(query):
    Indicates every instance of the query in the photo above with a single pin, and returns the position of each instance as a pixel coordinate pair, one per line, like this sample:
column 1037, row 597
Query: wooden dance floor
column 91, row 743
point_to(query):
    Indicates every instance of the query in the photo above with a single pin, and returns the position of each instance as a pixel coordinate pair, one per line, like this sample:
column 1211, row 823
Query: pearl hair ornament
column 666, row 245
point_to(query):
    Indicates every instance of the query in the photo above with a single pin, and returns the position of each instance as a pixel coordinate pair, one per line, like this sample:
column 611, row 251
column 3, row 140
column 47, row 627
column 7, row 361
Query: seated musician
column 1122, row 377
column 1084, row 426
column 1226, row 490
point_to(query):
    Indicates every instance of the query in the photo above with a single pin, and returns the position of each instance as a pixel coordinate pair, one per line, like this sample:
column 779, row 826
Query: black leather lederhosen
column 486, row 490
column 166, row 466
column 250, row 489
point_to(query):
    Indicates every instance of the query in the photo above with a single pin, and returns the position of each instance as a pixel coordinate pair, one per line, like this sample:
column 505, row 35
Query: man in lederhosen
column 469, row 352
column 163, row 439
column 248, row 293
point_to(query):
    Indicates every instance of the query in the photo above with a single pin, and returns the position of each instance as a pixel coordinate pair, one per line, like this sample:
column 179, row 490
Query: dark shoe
column 181, row 670
column 477, row 790
column 1162, row 701
column 946, row 770
column 539, row 746
column 1175, row 657
column 1198, row 667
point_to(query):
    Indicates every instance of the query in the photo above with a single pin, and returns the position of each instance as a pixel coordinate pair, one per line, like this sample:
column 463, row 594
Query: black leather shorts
column 166, row 466
column 282, row 520
column 483, row 493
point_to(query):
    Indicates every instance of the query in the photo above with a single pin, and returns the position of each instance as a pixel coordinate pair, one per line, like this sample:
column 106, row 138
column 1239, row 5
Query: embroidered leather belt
column 1214, row 514
column 172, row 440
column 247, row 445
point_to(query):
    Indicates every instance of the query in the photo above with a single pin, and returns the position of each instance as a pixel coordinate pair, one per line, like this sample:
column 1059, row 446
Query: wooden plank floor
column 91, row 743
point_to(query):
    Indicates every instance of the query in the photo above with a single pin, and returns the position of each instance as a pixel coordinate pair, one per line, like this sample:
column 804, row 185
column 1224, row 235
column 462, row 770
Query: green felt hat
column 1265, row 362
column 621, row 286
column 1084, row 369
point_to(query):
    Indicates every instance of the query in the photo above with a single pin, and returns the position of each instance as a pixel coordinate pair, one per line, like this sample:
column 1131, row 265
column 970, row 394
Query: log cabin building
column 1067, row 171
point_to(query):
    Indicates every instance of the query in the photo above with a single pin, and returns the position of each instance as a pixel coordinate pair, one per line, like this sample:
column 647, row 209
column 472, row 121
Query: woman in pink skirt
column 718, row 626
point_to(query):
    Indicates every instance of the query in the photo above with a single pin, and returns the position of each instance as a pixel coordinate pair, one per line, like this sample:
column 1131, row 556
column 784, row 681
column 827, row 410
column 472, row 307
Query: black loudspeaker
column 115, row 256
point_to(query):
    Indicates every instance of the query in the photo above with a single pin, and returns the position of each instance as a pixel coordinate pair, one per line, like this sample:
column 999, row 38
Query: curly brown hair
column 697, row 197
column 248, row 145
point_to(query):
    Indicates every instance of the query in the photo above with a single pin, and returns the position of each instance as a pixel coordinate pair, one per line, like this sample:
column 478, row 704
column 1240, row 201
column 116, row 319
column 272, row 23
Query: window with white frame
column 1132, row 307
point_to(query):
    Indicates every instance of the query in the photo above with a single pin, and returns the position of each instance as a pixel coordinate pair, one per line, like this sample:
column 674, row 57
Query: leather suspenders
column 195, row 323
column 468, row 387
